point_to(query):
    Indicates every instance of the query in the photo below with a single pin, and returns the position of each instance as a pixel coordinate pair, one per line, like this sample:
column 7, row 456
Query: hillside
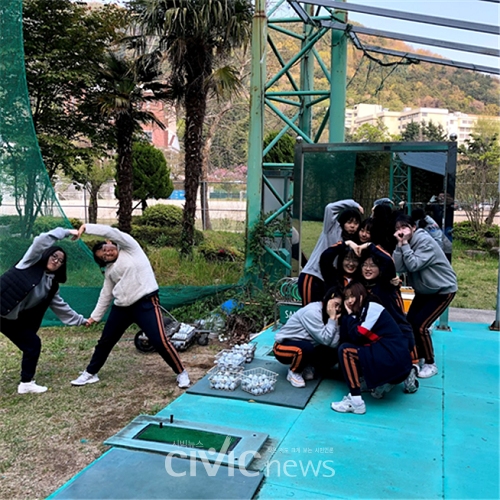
column 419, row 85
column 398, row 86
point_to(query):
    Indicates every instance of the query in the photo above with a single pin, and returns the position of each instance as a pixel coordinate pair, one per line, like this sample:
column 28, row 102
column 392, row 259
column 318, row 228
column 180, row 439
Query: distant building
column 165, row 140
column 396, row 122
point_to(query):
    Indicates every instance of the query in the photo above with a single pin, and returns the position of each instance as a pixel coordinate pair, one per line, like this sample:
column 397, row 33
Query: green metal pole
column 391, row 177
column 306, row 78
column 256, row 135
column 338, row 83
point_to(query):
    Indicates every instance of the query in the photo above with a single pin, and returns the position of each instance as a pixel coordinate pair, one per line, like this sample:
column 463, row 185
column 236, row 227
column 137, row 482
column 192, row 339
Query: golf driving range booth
column 409, row 173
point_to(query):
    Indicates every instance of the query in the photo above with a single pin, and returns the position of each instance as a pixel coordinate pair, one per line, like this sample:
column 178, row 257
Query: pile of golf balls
column 246, row 350
column 258, row 384
column 226, row 380
column 230, row 359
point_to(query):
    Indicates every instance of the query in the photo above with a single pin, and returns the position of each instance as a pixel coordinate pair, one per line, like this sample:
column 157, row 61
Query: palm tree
column 193, row 35
column 126, row 85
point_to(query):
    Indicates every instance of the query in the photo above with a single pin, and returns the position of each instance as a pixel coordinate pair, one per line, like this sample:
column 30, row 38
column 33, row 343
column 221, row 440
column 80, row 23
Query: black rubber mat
column 284, row 393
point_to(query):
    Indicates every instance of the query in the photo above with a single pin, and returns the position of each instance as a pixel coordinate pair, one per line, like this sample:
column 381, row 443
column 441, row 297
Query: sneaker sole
column 73, row 382
column 354, row 411
column 298, row 386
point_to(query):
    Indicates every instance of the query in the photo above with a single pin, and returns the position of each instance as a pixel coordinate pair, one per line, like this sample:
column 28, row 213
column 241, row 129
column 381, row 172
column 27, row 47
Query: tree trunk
column 205, row 212
column 195, row 102
column 124, row 172
column 92, row 211
column 491, row 216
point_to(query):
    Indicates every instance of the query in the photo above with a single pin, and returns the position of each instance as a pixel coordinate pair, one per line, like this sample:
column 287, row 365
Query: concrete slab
column 361, row 456
column 471, row 446
column 124, row 474
column 484, row 316
column 276, row 420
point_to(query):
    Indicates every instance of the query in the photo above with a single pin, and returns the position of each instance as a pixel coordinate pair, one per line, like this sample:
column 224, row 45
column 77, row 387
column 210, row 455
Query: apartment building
column 461, row 124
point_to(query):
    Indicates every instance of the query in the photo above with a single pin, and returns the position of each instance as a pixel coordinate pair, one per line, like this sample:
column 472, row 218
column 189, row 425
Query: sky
column 478, row 11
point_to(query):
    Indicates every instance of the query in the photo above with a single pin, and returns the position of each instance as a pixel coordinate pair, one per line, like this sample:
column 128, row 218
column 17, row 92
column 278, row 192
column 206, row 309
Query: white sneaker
column 428, row 371
column 30, row 388
column 85, row 378
column 183, row 380
column 347, row 405
column 295, row 379
column 308, row 373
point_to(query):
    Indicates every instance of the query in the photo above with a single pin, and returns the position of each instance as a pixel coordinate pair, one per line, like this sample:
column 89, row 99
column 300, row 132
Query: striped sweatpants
column 349, row 362
column 311, row 288
column 424, row 310
column 145, row 313
column 296, row 353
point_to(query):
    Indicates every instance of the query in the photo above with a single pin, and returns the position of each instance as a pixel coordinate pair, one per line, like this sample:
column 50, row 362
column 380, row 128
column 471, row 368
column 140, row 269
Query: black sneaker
column 411, row 382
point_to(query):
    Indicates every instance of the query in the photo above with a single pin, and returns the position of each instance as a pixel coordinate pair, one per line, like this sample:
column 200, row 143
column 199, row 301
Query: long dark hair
column 358, row 291
column 381, row 232
column 332, row 293
column 60, row 274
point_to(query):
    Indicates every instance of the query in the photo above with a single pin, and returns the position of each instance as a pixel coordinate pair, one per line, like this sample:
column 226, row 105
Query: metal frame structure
column 289, row 95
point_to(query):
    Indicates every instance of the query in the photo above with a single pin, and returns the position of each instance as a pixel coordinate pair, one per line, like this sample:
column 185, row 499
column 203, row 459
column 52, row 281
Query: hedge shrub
column 219, row 253
column 464, row 232
column 161, row 216
column 162, row 236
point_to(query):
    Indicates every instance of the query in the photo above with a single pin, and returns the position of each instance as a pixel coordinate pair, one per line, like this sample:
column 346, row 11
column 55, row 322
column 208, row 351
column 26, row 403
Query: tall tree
column 478, row 175
column 193, row 35
column 64, row 43
column 90, row 174
column 424, row 131
column 151, row 174
column 121, row 97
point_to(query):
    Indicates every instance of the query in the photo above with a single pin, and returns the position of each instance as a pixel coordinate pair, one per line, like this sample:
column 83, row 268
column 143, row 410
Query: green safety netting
column 28, row 202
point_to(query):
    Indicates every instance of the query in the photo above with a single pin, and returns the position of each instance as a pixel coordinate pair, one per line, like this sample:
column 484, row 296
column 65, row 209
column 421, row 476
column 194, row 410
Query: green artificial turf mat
column 191, row 438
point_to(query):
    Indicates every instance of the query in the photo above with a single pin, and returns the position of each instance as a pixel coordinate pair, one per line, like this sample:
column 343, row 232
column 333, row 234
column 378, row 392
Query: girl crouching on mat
column 372, row 346
column 315, row 325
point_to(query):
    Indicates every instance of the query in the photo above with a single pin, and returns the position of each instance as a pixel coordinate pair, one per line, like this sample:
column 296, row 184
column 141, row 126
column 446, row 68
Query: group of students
column 353, row 313
column 31, row 286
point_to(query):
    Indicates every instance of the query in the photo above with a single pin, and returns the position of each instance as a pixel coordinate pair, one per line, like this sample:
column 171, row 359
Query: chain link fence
column 224, row 210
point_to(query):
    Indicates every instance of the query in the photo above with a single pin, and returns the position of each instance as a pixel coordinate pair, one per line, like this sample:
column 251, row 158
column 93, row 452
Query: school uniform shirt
column 388, row 294
column 426, row 265
column 382, row 347
column 129, row 278
column 307, row 324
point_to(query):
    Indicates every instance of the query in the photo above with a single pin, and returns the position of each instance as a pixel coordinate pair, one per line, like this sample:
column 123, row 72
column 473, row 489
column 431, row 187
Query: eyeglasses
column 350, row 261
column 56, row 259
column 369, row 265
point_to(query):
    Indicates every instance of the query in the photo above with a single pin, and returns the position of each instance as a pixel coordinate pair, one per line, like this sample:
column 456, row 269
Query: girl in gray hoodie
column 435, row 283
